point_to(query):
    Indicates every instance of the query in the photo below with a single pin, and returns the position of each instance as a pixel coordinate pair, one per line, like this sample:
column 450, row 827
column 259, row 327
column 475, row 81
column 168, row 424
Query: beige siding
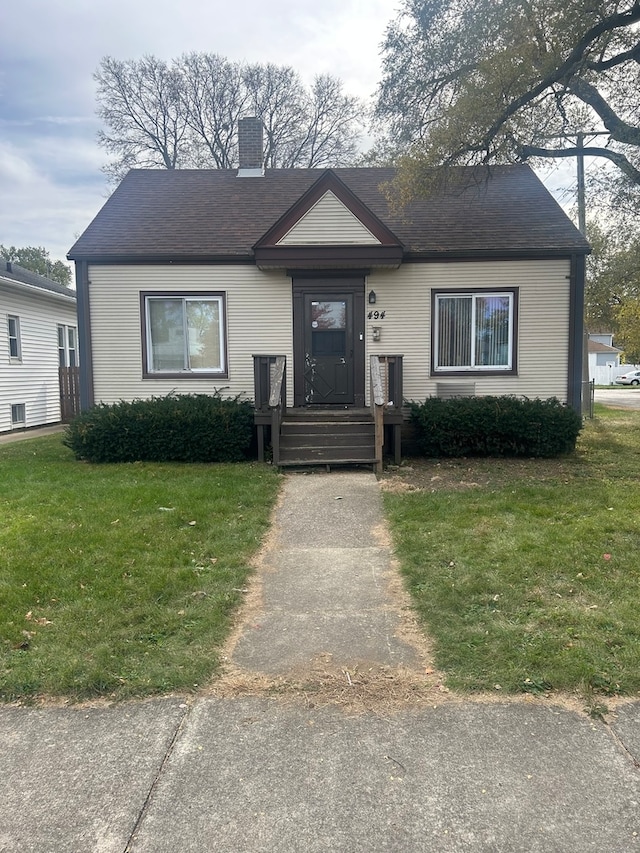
column 34, row 379
column 328, row 222
column 258, row 322
column 543, row 323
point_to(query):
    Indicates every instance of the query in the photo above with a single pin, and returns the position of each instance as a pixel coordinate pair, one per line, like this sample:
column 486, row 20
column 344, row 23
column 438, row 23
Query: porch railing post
column 377, row 406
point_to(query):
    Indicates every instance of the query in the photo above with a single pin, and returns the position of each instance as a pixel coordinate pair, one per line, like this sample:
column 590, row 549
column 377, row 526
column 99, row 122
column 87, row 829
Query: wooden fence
column 69, row 378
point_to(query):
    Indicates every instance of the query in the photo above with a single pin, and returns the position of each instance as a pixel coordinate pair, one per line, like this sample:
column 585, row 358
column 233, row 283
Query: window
column 67, row 346
column 474, row 331
column 15, row 347
column 18, row 416
column 184, row 334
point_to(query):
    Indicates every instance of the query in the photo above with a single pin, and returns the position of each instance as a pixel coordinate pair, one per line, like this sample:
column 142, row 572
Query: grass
column 527, row 576
column 120, row 580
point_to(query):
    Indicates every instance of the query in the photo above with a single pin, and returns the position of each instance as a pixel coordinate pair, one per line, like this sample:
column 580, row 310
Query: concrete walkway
column 326, row 581
column 23, row 434
column 283, row 769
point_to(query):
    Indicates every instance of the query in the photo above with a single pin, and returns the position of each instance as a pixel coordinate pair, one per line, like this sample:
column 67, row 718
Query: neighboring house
column 38, row 334
column 604, row 359
column 191, row 280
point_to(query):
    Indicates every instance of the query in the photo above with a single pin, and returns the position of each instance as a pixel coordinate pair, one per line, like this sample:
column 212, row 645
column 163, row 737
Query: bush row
column 180, row 428
column 495, row 426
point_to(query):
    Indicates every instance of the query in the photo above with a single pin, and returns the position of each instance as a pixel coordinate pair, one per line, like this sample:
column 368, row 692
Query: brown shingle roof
column 200, row 214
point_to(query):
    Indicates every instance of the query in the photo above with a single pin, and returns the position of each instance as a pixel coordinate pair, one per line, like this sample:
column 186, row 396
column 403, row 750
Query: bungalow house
column 38, row 337
column 308, row 292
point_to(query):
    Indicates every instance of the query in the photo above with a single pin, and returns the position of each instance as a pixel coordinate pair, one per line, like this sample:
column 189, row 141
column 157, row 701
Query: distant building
column 38, row 336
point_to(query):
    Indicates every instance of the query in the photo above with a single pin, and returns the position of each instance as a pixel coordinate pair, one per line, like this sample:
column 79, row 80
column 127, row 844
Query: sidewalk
column 283, row 770
column 38, row 432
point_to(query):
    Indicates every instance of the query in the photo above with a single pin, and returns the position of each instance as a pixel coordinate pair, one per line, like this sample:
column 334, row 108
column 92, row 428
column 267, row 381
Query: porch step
column 345, row 438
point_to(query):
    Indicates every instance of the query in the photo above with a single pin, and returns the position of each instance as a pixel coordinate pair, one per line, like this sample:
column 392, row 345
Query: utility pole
column 582, row 206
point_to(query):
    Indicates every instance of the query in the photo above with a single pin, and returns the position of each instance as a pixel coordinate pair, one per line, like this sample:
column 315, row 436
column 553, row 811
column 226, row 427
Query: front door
column 329, row 342
column 328, row 368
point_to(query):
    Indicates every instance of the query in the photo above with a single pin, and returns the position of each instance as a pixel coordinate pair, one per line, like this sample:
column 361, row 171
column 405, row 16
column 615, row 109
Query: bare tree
column 278, row 97
column 185, row 114
column 139, row 102
column 214, row 97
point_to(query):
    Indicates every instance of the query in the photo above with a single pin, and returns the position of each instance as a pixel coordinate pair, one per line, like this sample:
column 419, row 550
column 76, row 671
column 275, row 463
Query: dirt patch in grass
column 434, row 475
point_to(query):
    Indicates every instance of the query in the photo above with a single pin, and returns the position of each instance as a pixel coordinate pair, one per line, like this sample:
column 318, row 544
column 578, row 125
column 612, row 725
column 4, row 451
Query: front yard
column 120, row 580
column 526, row 574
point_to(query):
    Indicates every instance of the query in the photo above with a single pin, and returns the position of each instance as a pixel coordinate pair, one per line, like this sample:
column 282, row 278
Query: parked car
column 632, row 378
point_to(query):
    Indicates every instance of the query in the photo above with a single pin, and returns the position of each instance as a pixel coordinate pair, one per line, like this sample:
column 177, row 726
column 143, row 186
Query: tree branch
column 619, row 130
column 625, row 166
column 565, row 70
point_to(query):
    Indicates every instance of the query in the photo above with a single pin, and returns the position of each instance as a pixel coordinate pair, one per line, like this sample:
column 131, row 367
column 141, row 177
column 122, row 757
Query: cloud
column 50, row 163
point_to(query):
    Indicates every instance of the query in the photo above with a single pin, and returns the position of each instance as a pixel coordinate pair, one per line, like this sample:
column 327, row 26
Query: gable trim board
column 198, row 232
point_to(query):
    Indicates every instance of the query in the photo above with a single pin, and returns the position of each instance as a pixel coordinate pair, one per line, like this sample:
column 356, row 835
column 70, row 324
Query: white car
column 632, row 378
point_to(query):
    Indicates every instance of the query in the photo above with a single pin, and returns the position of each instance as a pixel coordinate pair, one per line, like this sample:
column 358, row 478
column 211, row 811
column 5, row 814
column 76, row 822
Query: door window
column 329, row 328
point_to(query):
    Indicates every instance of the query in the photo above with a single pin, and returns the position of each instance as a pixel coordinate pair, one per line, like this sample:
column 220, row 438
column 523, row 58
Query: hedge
column 494, row 426
column 175, row 428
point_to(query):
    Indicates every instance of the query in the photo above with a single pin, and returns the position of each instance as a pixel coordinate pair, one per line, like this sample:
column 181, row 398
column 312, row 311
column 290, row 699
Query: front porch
column 328, row 435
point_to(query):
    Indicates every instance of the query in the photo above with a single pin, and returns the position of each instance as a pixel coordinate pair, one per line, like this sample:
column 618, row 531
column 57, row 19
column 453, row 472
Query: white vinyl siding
column 330, row 223
column 542, row 323
column 32, row 381
column 258, row 322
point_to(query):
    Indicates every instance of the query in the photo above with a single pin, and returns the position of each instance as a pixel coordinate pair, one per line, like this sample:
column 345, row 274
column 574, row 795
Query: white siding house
column 38, row 333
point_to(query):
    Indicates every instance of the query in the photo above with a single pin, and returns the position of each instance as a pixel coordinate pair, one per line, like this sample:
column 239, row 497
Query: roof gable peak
column 328, row 197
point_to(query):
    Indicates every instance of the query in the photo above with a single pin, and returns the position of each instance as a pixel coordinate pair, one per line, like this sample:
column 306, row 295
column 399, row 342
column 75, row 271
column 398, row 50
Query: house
column 604, row 359
column 305, row 290
column 38, row 336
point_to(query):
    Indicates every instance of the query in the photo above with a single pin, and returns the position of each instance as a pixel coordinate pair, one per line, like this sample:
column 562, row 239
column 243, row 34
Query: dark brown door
column 328, row 368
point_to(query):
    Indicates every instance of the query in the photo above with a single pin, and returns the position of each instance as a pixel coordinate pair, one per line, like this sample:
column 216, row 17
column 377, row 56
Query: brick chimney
column 250, row 148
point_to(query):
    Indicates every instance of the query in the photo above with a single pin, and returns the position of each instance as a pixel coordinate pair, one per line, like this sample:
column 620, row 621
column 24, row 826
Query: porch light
column 372, row 297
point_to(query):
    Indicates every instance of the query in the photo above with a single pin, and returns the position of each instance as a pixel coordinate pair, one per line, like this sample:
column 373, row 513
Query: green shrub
column 175, row 428
column 494, row 426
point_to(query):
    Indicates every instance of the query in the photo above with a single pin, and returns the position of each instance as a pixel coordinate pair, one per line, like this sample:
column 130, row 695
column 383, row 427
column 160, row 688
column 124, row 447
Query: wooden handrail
column 386, row 401
column 269, row 375
column 377, row 409
column 277, row 404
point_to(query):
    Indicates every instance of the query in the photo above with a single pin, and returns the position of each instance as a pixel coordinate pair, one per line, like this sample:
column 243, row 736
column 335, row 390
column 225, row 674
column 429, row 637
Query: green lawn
column 527, row 575
column 120, row 580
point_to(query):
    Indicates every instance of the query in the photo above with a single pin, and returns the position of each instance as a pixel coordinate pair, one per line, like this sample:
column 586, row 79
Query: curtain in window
column 454, row 331
column 492, row 331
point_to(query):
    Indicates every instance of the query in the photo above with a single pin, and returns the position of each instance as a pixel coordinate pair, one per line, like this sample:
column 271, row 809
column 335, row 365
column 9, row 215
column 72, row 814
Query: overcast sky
column 51, row 185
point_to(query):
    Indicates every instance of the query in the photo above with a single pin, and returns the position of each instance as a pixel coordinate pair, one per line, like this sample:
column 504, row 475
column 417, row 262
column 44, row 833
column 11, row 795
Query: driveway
column 620, row 397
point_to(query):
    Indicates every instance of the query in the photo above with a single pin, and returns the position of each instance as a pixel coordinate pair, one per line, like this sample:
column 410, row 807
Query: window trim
column 66, row 349
column 436, row 370
column 14, row 359
column 145, row 295
column 17, row 424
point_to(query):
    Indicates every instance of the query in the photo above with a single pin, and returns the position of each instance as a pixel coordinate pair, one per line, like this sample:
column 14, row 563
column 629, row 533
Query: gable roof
column 19, row 275
column 205, row 215
column 597, row 346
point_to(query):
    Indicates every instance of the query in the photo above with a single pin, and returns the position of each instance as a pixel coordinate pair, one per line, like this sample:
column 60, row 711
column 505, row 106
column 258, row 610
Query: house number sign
column 376, row 315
